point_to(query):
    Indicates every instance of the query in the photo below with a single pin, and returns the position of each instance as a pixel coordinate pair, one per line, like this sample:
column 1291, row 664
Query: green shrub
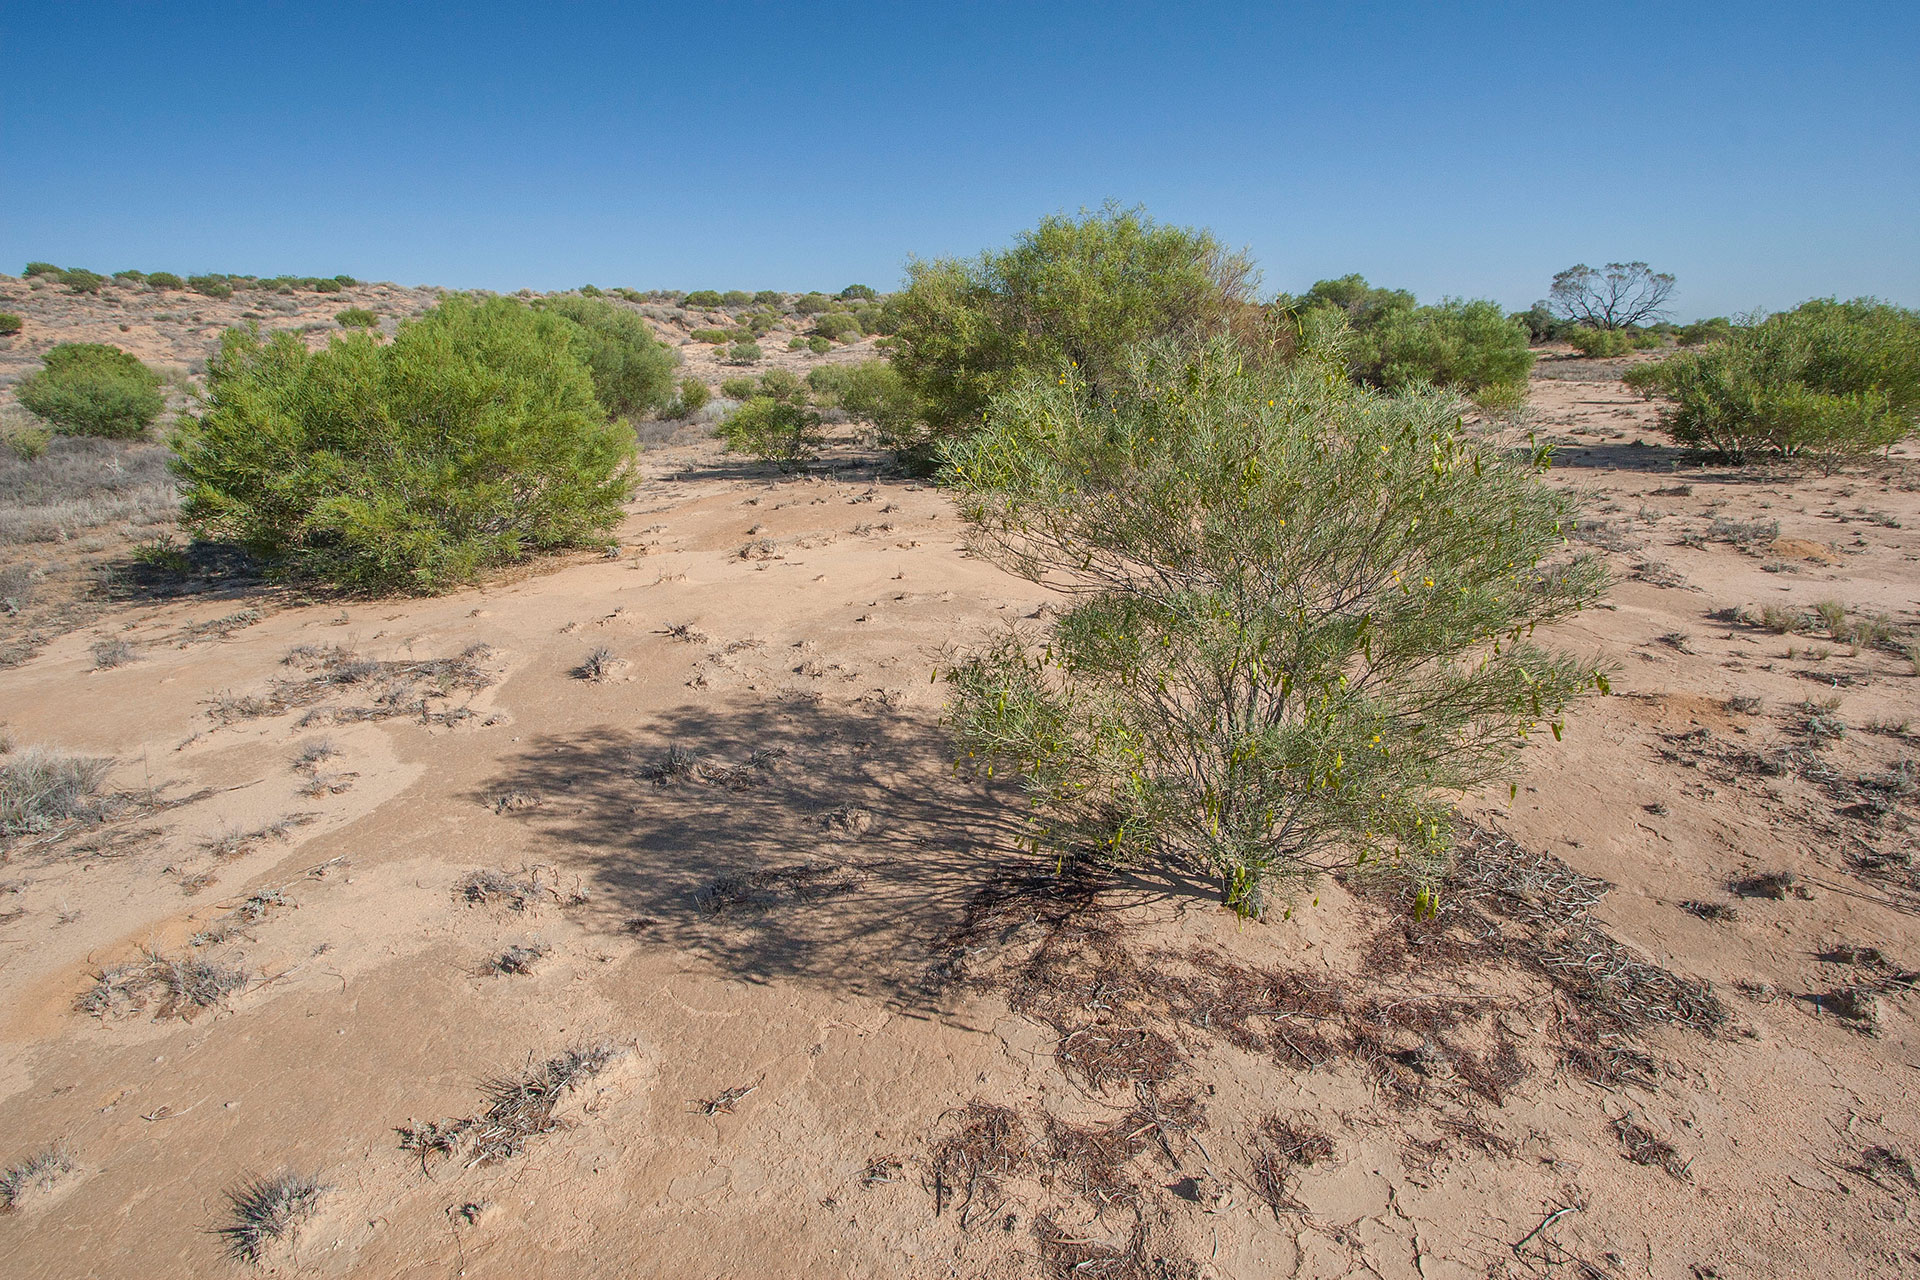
column 786, row 434
column 819, row 346
column 857, row 293
column 1299, row 621
column 633, row 374
column 694, row 395
column 81, row 280
column 10, row 323
column 812, row 304
column 770, row 298
column 1600, row 343
column 588, row 291
column 1542, row 324
column 738, row 388
column 89, row 389
column 1701, row 332
column 801, row 344
column 1079, row 289
column 165, row 280
column 472, row 439
column 1363, row 305
column 1646, row 339
column 327, row 286
column 1827, row 378
column 39, row 269
column 24, row 442
column 715, row 336
column 743, row 352
column 735, row 298
column 869, row 318
column 783, row 385
column 836, row 326
column 1471, row 347
column 211, row 286
column 702, row 298
column 131, row 276
column 872, row 389
column 357, row 318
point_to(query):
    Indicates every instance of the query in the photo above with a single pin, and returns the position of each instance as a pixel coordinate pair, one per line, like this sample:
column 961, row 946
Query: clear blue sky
column 1764, row 153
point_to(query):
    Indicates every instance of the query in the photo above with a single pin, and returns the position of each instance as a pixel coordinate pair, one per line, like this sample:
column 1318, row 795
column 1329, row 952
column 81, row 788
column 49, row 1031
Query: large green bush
column 1471, row 347
column 165, row 280
column 1300, row 621
column 703, row 298
column 213, row 286
column 1074, row 291
column 872, row 389
column 1600, row 343
column 776, row 431
column 1827, row 378
column 10, row 323
column 357, row 318
column 90, row 389
column 632, row 372
column 472, row 439
column 81, row 280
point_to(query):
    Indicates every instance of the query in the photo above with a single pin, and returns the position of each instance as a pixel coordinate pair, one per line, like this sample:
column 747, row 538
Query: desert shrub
column 1600, row 343
column 589, row 291
column 40, row 269
column 871, row 389
column 715, row 336
column 786, row 434
column 869, row 318
column 1541, row 324
column 1471, row 347
column 131, row 276
column 1300, row 621
column 694, row 395
column 90, row 389
column 783, row 385
column 1827, row 378
column 735, row 298
column 473, row 439
column 1364, row 305
column 737, row 388
column 165, row 280
column 357, row 318
column 801, row 344
column 81, row 280
column 703, row 298
column 812, row 304
column 632, row 372
column 743, row 352
column 211, row 286
column 1076, row 291
column 770, row 298
column 819, row 346
column 10, row 323
column 836, row 326
column 1701, row 332
column 857, row 293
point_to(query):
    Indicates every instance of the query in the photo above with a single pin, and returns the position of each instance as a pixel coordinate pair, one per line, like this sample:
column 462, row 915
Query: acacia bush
column 357, row 318
column 472, row 439
column 632, row 372
column 81, row 280
column 1600, row 343
column 703, row 298
column 872, row 389
column 212, row 286
column 694, row 395
column 1828, row 378
column 781, row 432
column 161, row 280
column 1473, row 347
column 744, row 351
column 1300, row 621
column 1075, row 291
column 91, row 389
column 10, row 323
column 1701, row 332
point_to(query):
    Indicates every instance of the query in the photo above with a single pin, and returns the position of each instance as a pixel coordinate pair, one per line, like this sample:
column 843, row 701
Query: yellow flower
column 1429, row 581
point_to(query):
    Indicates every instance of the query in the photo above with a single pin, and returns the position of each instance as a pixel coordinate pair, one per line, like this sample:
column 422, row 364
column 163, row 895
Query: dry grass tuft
column 514, row 890
column 520, row 958
column 172, row 988
column 1642, row 1146
column 234, row 843
column 519, row 1108
column 267, row 1211
column 108, row 654
column 40, row 789
column 35, row 1175
column 597, row 665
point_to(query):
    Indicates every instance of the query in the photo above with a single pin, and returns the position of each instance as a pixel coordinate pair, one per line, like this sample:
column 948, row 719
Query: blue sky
column 1764, row 153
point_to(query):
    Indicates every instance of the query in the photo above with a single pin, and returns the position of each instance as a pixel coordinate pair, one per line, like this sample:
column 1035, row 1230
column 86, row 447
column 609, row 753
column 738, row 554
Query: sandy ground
column 757, row 879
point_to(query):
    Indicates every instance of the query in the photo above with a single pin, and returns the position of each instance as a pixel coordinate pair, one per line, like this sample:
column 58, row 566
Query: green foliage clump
column 131, row 276
column 473, row 439
column 715, row 336
column 702, row 298
column 836, row 326
column 589, row 291
column 1827, row 378
column 213, row 286
column 357, row 318
column 10, row 323
column 1301, row 617
column 1363, row 304
column 39, row 269
column 81, row 280
column 90, row 389
column 857, row 293
column 818, row 345
column 694, row 395
column 1471, row 347
column 872, row 389
column 812, row 304
column 1600, row 343
column 774, row 431
column 738, row 388
column 632, row 372
column 1701, row 332
column 1542, row 323
column 783, row 385
column 1076, row 291
column 165, row 280
column 743, row 352
column 770, row 298
column 801, row 344
column 735, row 298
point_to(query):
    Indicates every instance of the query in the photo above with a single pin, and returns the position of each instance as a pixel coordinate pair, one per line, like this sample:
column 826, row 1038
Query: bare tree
column 1620, row 295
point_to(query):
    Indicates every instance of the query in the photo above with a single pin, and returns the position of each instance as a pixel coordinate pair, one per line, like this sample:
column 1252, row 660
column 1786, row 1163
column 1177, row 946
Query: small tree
column 1301, row 613
column 776, row 431
column 472, row 439
column 90, row 389
column 1618, row 296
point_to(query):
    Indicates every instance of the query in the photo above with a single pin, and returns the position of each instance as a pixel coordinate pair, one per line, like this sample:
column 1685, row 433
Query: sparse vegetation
column 744, row 353
column 10, row 323
column 1280, row 582
column 1830, row 379
column 519, row 1108
column 38, row 1173
column 41, row 789
column 171, row 988
column 90, row 389
column 164, row 280
column 473, row 439
column 1600, row 343
column 264, row 1212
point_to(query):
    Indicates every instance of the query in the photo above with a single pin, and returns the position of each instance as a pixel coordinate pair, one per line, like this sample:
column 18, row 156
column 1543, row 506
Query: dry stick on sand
column 723, row 1102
